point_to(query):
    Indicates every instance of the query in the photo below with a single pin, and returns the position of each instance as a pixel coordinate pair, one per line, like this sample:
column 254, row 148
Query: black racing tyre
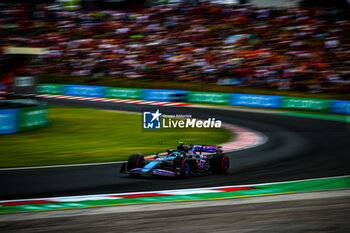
column 219, row 164
column 182, row 167
column 135, row 161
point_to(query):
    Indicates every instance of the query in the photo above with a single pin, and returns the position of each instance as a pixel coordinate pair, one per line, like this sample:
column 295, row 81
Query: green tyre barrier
column 208, row 97
column 33, row 118
column 54, row 89
column 124, row 93
column 306, row 104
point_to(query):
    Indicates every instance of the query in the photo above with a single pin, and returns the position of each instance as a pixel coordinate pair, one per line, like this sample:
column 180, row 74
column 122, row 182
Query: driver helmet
column 176, row 153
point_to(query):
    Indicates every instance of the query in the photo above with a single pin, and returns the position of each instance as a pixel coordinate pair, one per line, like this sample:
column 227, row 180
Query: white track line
column 60, row 166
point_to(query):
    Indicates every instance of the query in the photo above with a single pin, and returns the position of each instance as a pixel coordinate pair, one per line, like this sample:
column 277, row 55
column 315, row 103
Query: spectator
column 286, row 49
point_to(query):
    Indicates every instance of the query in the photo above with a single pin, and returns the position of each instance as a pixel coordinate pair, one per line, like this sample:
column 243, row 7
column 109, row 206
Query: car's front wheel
column 135, row 161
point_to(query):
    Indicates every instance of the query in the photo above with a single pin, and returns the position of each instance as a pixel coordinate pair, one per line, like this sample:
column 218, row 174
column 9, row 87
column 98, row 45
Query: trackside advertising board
column 306, row 103
column 84, row 90
column 248, row 100
column 33, row 117
column 339, row 106
column 8, row 121
column 164, row 95
column 126, row 93
column 15, row 120
column 53, row 89
column 208, row 97
column 262, row 101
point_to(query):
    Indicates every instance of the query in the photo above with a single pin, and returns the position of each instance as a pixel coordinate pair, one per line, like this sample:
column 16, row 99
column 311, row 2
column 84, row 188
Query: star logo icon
column 151, row 120
column 156, row 115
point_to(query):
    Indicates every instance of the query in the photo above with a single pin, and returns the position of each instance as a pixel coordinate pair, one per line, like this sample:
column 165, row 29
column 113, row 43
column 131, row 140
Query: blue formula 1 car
column 191, row 160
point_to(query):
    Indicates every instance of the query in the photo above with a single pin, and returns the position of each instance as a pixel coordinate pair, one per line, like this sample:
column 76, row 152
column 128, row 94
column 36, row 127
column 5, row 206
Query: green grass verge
column 149, row 84
column 82, row 135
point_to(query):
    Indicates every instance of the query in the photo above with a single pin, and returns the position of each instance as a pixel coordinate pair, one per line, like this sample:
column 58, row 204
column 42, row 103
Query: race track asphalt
column 297, row 148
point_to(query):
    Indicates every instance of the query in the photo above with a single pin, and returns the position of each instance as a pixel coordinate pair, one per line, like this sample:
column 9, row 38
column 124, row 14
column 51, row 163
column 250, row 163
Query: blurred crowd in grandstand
column 285, row 49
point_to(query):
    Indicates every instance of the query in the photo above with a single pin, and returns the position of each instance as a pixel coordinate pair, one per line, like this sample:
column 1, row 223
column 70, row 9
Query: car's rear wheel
column 219, row 164
column 135, row 161
column 182, row 167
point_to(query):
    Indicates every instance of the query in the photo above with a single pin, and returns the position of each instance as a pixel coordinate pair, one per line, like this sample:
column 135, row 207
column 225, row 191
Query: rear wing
column 204, row 148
